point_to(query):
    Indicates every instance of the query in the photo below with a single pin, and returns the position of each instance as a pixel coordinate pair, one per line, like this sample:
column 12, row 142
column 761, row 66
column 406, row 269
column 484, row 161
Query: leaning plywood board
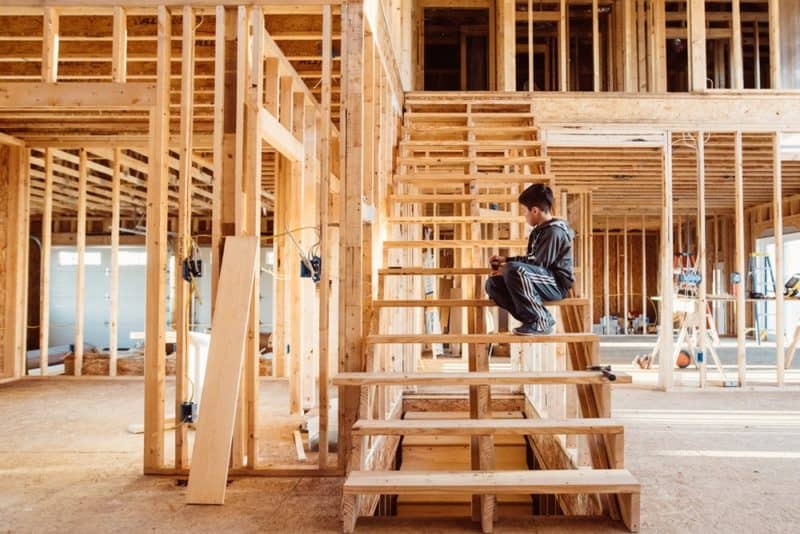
column 212, row 447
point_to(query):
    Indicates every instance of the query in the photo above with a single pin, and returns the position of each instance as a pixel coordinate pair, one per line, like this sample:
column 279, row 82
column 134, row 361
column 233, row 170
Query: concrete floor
column 720, row 460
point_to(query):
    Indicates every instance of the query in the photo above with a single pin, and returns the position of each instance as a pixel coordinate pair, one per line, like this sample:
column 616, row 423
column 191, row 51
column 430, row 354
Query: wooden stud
column 156, row 243
column 697, row 45
column 756, row 55
column 737, row 66
column 665, row 367
column 531, row 81
column 184, row 242
column 113, row 292
column 119, row 47
column 629, row 66
column 80, row 277
column 606, row 282
column 701, row 303
column 644, row 276
column 777, row 218
column 775, row 67
column 50, row 42
column 324, row 196
column 218, row 147
column 740, row 254
column 596, row 46
column 351, row 269
column 625, row 286
column 45, row 260
column 563, row 50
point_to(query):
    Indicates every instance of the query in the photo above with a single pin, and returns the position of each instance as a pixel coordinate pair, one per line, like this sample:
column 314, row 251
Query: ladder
column 463, row 159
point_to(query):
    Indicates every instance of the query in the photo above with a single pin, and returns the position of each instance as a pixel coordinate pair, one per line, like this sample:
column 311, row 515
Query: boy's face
column 533, row 216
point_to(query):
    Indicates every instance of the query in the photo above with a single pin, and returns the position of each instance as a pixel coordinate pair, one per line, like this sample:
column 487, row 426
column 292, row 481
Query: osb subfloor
column 715, row 461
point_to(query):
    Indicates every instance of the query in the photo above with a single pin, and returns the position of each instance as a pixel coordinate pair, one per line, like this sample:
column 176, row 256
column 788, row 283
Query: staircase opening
column 456, row 49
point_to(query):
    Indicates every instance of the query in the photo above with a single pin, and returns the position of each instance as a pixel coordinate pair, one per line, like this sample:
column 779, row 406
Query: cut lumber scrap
column 469, row 427
column 208, row 473
column 475, row 378
column 482, row 338
column 484, row 482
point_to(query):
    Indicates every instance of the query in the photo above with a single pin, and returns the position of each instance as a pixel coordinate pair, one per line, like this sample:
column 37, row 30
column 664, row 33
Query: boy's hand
column 496, row 262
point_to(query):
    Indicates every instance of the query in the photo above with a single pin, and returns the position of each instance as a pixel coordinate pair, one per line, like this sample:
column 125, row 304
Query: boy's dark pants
column 521, row 289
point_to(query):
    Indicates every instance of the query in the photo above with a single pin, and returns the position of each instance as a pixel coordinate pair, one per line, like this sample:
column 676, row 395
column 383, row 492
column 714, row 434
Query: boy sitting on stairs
column 520, row 284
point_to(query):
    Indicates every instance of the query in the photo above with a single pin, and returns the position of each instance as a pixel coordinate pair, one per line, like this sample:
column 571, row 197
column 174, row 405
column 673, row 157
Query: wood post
column 351, row 269
column 737, row 66
column 44, row 277
column 775, row 68
column 665, row 367
column 156, row 243
column 563, row 48
column 777, row 218
column 113, row 313
column 80, row 246
column 596, row 70
column 324, row 218
column 701, row 303
column 740, row 254
column 50, row 42
column 697, row 45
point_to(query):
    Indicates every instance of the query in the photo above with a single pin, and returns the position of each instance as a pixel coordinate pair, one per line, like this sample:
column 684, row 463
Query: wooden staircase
column 464, row 158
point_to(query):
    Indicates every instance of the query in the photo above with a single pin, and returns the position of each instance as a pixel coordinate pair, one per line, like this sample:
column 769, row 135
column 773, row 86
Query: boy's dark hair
column 538, row 195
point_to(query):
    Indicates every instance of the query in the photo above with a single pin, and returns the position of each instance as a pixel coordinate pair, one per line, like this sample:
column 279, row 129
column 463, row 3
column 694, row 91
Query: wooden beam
column 665, row 342
column 251, row 225
column 77, row 95
column 212, row 447
column 296, row 200
column 278, row 137
column 351, row 268
column 563, row 50
column 506, row 44
column 777, row 218
column 50, row 41
column 775, row 67
column 183, row 249
column 156, row 239
column 740, row 253
column 218, row 147
column 324, row 245
column 44, row 277
column 629, row 31
column 625, row 288
column 644, row 276
column 80, row 276
column 596, row 70
column 113, row 293
column 697, row 45
column 702, row 257
column 737, row 65
column 119, row 46
column 606, row 283
column 531, row 81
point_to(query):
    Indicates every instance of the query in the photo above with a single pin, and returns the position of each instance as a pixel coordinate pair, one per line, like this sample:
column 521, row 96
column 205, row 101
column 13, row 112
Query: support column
column 741, row 312
column 665, row 341
column 775, row 68
column 506, row 45
column 701, row 303
column 697, row 45
column 777, row 218
column 351, row 272
column 156, row 242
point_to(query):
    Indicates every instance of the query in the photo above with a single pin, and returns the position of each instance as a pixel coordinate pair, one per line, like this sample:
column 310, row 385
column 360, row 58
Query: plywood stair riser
column 463, row 159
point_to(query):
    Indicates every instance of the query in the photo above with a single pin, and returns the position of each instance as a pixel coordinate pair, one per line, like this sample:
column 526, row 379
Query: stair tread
column 466, row 303
column 478, row 378
column 503, row 337
column 405, row 427
column 565, row 481
column 457, row 243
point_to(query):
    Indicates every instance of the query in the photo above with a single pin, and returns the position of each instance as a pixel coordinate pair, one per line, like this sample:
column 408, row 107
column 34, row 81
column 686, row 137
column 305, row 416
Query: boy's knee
column 511, row 269
column 491, row 286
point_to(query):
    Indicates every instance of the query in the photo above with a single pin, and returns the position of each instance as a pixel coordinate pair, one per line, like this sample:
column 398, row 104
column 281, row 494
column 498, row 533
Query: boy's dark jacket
column 550, row 246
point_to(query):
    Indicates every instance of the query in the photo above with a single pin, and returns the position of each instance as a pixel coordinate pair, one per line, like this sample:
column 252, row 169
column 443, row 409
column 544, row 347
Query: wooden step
column 493, row 378
column 482, row 177
column 449, row 219
column 540, row 482
column 456, row 143
column 428, row 115
column 477, row 427
column 478, row 128
column 496, row 180
column 458, row 243
column 481, row 338
column 499, row 159
column 434, row 198
column 459, row 303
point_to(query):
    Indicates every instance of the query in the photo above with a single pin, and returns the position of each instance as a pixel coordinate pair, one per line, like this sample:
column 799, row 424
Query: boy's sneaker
column 529, row 329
